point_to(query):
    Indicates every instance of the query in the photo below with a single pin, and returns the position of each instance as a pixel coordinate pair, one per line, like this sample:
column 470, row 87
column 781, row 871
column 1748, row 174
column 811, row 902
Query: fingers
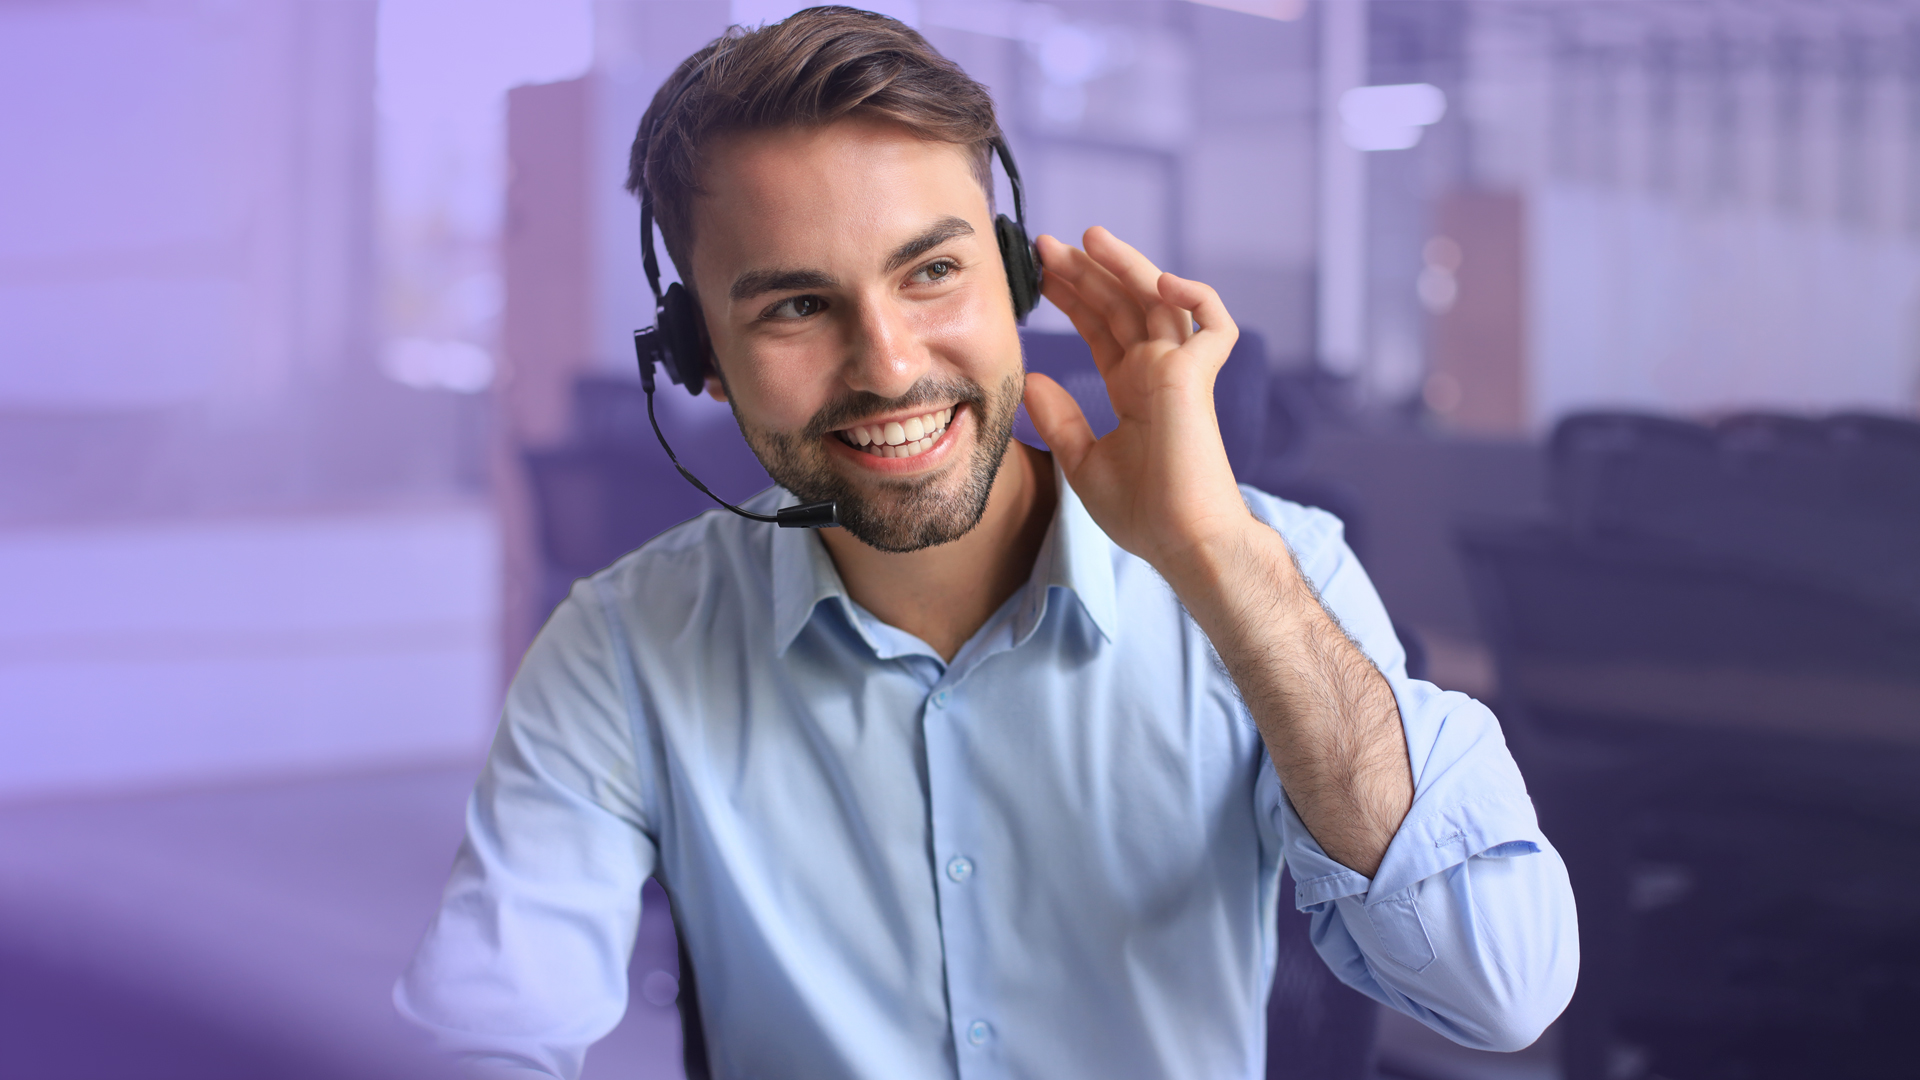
column 1209, row 312
column 1116, row 298
column 1058, row 419
column 1141, row 279
column 1091, row 324
column 1099, row 294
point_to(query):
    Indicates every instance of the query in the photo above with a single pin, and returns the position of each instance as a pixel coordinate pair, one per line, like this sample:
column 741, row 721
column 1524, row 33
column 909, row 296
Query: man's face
column 860, row 319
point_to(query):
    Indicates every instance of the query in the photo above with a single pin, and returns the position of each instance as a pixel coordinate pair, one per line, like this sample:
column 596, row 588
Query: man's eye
column 937, row 270
column 796, row 307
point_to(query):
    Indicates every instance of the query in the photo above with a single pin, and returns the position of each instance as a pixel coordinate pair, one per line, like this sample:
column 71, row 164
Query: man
column 995, row 780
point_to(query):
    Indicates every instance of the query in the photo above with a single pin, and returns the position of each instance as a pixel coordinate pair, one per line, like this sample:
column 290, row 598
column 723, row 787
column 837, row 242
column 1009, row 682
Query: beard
column 897, row 515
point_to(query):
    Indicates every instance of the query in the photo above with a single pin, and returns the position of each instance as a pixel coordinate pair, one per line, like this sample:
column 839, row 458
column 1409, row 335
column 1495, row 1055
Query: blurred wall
column 1721, row 201
column 228, row 543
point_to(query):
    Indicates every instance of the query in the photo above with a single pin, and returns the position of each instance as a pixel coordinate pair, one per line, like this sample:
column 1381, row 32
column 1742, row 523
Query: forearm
column 1329, row 720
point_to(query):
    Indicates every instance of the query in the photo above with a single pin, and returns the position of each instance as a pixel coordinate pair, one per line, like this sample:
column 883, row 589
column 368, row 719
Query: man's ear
column 716, row 386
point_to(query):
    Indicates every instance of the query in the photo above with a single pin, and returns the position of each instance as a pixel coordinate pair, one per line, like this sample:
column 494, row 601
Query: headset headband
column 649, row 261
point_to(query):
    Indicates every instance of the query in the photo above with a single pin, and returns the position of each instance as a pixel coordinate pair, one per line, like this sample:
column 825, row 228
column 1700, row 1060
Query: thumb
column 1058, row 419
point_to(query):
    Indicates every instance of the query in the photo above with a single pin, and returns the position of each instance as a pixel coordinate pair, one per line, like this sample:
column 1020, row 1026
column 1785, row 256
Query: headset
column 673, row 341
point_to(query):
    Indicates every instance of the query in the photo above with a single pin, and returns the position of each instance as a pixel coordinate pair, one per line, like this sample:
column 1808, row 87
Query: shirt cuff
column 1427, row 844
column 1469, row 800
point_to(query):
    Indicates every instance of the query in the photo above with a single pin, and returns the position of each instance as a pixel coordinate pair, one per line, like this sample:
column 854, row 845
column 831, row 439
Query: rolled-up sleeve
column 1468, row 924
column 524, row 967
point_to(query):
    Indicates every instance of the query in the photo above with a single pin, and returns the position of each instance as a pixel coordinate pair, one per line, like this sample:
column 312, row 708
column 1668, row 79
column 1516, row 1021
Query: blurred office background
column 1599, row 322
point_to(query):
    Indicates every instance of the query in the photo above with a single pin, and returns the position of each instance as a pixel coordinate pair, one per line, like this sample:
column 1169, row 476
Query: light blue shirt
column 1056, row 856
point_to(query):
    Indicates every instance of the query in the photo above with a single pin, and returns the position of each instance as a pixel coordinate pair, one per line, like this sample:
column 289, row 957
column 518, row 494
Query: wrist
column 1242, row 559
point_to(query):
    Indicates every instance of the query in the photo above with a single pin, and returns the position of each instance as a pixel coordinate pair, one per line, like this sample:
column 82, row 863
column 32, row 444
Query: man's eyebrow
column 938, row 233
column 757, row 282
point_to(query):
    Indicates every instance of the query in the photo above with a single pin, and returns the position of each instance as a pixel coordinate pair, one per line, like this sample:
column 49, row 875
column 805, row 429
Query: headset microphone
column 648, row 345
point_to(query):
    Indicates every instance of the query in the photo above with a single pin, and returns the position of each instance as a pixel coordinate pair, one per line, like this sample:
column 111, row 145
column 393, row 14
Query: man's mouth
column 899, row 438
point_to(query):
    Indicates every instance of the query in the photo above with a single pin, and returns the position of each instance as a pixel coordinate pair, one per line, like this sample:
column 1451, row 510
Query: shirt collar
column 803, row 575
column 1076, row 556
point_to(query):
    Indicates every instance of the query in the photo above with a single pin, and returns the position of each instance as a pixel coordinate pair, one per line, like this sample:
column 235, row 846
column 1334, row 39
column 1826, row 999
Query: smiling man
column 996, row 779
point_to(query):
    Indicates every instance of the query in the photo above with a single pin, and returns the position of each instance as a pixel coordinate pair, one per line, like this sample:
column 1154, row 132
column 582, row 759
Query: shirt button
column 978, row 1031
column 960, row 869
column 940, row 700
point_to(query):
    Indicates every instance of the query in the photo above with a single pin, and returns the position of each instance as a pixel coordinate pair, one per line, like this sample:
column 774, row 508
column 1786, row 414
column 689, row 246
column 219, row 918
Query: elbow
column 1516, row 1018
column 1506, row 1039
column 1551, row 1001
column 1501, row 950
column 1507, row 1004
column 1520, row 1026
column 1532, row 975
column 1498, row 1016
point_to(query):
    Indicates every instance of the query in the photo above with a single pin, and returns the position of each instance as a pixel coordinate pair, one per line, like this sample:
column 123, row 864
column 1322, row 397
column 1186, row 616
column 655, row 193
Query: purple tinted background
column 315, row 392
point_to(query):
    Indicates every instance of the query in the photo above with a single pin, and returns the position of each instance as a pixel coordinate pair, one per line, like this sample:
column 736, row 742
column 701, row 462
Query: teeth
column 901, row 438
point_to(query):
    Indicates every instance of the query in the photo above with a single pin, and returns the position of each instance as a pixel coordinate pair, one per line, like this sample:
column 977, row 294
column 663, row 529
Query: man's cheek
column 784, row 404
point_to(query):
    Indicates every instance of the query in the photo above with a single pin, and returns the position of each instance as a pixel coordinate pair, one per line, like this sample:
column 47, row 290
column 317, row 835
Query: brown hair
column 814, row 67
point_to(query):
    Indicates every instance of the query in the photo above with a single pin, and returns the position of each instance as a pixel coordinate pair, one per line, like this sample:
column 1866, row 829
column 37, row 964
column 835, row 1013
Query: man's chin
column 907, row 516
column 902, row 537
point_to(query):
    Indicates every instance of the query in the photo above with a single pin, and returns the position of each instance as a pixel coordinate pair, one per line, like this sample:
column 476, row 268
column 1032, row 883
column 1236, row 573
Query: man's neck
column 944, row 594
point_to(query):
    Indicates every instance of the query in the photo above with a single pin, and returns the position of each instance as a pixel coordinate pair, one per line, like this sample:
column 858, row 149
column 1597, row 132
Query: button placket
column 958, row 896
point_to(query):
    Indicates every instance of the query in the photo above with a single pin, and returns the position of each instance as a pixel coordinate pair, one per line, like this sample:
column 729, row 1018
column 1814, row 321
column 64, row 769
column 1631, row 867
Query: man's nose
column 886, row 355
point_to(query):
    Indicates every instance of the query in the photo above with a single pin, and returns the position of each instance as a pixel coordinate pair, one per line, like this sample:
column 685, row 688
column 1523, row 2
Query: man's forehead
column 856, row 178
column 858, row 141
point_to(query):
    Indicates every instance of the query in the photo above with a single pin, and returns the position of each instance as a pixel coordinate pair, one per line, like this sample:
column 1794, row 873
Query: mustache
column 855, row 406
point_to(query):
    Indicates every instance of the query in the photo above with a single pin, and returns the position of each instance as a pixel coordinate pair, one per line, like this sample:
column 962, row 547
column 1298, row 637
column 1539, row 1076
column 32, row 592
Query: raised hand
column 1159, row 483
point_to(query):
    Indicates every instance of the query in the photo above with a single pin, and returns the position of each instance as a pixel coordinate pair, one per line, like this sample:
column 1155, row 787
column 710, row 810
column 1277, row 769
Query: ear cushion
column 1023, row 266
column 680, row 326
